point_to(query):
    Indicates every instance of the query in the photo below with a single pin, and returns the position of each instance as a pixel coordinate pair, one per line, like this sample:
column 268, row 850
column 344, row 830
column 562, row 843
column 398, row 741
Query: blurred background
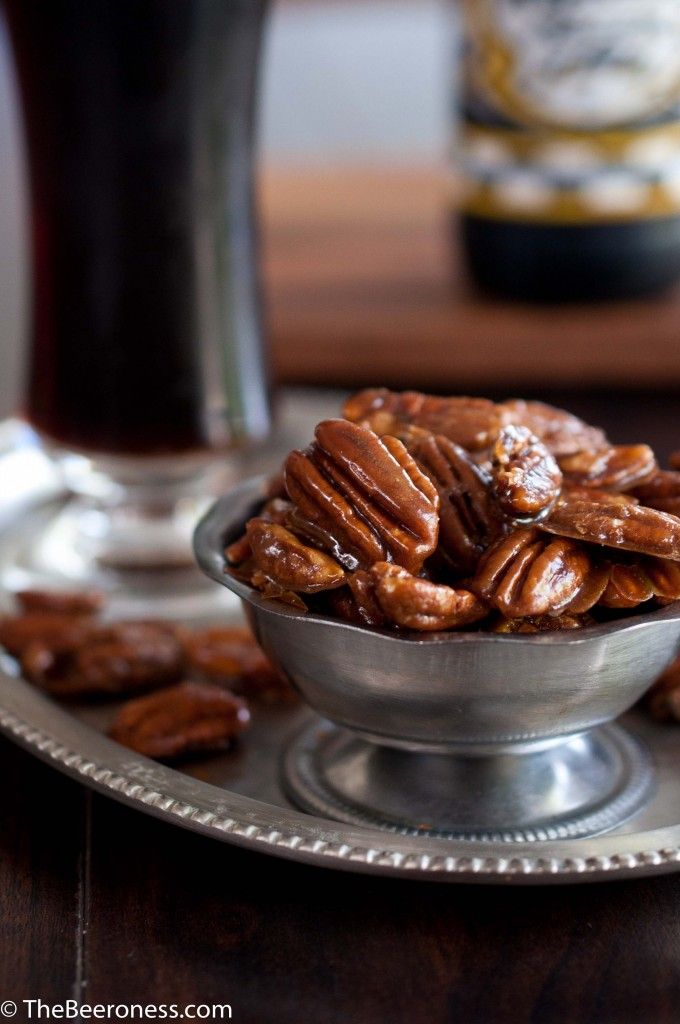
column 364, row 277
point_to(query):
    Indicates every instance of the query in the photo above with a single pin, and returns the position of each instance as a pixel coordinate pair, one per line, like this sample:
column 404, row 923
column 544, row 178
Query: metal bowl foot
column 585, row 786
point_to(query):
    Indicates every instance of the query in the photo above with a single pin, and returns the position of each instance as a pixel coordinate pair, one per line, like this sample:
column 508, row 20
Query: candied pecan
column 63, row 631
column 627, row 527
column 362, row 498
column 527, row 574
column 414, row 603
column 468, row 520
column 469, row 422
column 525, row 478
column 179, row 720
column 238, row 551
column 118, row 658
column 664, row 577
column 572, row 493
column 627, row 587
column 362, row 585
column 663, row 700
column 230, row 654
column 674, row 460
column 60, row 602
column 591, row 590
column 560, row 431
column 269, row 588
column 285, row 560
column 618, row 466
column 661, row 491
column 542, row 623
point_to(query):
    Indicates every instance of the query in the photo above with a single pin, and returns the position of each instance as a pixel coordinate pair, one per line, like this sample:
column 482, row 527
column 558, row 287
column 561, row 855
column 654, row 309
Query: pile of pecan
column 195, row 685
column 424, row 513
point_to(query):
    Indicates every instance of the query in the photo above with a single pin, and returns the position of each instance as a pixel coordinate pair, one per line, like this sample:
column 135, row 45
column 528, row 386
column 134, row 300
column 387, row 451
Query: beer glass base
column 124, row 528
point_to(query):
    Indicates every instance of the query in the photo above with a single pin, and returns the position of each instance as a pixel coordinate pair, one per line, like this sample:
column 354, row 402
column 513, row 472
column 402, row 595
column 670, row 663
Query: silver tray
column 236, row 797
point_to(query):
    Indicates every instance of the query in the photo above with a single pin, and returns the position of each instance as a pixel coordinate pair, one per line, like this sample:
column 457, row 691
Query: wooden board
column 364, row 285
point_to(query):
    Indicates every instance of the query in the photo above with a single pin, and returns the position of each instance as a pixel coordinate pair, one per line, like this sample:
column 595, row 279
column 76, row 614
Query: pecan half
column 628, row 527
column 627, row 587
column 664, row 577
column 572, row 493
column 230, row 654
column 179, row 720
column 362, row 498
column 525, row 574
column 53, row 629
column 468, row 520
column 661, row 491
column 283, row 558
column 619, row 467
column 119, row 658
column 469, row 422
column 62, row 602
column 362, row 586
column 591, row 590
column 414, row 603
column 525, row 478
column 560, row 431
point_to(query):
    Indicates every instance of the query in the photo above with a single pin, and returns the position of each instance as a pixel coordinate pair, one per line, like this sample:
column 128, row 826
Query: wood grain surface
column 161, row 916
column 364, row 284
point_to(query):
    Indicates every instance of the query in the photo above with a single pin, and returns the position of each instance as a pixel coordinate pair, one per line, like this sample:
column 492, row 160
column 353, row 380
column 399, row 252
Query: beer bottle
column 569, row 147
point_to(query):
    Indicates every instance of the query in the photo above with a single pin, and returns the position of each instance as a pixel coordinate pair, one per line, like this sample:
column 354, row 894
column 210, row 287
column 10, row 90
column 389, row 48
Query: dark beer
column 569, row 147
column 145, row 325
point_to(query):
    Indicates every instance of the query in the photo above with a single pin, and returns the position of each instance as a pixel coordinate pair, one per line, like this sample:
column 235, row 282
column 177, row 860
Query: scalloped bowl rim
column 209, row 552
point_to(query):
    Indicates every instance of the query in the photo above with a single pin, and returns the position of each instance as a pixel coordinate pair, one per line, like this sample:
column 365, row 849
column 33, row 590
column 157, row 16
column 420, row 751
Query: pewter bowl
column 472, row 735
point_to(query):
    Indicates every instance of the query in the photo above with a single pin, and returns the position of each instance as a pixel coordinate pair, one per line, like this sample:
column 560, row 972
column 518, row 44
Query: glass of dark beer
column 146, row 357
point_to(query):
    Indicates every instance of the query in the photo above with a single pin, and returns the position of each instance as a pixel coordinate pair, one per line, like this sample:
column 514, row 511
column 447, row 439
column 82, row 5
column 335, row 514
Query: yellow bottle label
column 571, row 110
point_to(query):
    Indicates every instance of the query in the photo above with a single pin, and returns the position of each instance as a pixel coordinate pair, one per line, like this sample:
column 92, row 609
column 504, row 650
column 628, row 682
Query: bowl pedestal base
column 582, row 786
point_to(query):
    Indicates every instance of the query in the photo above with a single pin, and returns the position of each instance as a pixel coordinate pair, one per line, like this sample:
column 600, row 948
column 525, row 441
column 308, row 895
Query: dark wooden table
column 106, row 905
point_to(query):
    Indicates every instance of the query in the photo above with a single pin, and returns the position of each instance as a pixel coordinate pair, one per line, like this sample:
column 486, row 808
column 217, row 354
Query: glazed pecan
column 542, row 623
column 53, row 629
column 362, row 586
column 272, row 590
column 627, row 587
column 362, row 498
column 591, row 590
column 560, row 431
column 179, row 720
column 664, row 577
column 468, row 519
column 661, row 491
column 627, row 527
column 525, row 478
column 414, row 603
column 572, row 493
column 469, row 422
column 619, row 467
column 119, row 658
column 230, row 654
column 663, row 700
column 283, row 558
column 674, row 460
column 62, row 602
column 525, row 574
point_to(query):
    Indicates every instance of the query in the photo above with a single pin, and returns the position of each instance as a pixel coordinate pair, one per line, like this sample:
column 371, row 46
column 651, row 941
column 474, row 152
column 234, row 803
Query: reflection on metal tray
column 237, row 796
